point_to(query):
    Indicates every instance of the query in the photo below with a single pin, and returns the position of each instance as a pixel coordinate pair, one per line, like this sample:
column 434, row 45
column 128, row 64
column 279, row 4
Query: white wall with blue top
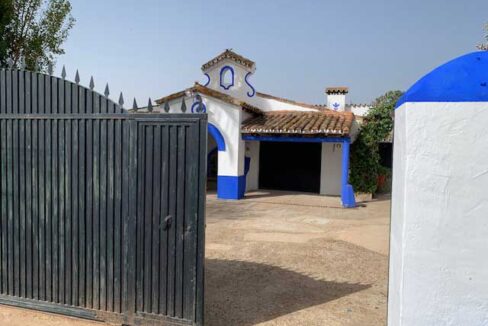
column 439, row 223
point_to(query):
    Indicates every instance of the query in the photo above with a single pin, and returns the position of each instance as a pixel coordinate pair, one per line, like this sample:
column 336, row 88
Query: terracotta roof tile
column 229, row 54
column 324, row 123
column 337, row 90
column 284, row 100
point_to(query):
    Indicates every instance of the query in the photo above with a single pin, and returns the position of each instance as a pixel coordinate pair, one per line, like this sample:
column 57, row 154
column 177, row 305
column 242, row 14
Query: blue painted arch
column 464, row 79
column 217, row 136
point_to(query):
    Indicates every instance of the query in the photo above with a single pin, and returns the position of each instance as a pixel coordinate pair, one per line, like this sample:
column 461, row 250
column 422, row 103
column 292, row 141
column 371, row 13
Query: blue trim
column 247, row 165
column 198, row 107
column 208, row 80
column 464, row 79
column 249, row 84
column 229, row 187
column 222, row 72
column 217, row 135
column 295, row 139
column 347, row 192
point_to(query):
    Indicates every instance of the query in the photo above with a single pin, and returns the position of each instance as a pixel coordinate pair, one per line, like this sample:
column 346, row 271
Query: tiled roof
column 284, row 100
column 197, row 88
column 324, row 123
column 229, row 54
column 337, row 90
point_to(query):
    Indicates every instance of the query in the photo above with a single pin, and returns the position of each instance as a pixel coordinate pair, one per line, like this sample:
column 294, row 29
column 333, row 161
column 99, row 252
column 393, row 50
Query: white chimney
column 336, row 98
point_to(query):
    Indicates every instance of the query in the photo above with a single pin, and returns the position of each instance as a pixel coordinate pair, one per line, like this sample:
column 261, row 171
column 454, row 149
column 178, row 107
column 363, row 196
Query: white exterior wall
column 252, row 151
column 439, row 226
column 340, row 99
column 360, row 110
column 267, row 104
column 227, row 118
column 331, row 169
column 240, row 87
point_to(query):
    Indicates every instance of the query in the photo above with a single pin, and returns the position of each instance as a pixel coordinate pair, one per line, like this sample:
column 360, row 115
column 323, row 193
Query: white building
column 263, row 141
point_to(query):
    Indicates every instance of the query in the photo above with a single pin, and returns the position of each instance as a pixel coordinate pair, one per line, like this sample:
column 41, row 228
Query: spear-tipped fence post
column 183, row 105
column 149, row 106
column 22, row 64
column 63, row 73
column 107, row 91
column 166, row 107
column 92, row 83
column 121, row 100
column 134, row 105
column 77, row 77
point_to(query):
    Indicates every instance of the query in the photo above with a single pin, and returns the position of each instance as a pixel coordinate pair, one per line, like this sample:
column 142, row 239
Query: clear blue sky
column 149, row 48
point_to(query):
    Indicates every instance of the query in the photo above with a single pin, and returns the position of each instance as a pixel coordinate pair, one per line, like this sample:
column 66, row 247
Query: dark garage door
column 290, row 166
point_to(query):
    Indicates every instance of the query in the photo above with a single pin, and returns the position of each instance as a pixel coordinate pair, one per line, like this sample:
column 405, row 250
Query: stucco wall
column 331, row 169
column 252, row 151
column 227, row 118
column 439, row 227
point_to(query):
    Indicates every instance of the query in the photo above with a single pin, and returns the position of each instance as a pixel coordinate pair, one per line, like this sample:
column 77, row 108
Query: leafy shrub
column 365, row 157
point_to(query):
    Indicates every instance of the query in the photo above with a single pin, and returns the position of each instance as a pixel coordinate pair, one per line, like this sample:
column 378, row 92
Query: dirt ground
column 284, row 259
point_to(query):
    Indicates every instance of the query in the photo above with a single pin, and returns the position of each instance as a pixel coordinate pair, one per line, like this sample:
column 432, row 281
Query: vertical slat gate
column 102, row 212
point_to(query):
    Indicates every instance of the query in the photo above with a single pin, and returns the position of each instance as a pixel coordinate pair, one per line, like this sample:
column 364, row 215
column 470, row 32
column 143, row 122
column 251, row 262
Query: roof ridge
column 293, row 102
column 229, row 54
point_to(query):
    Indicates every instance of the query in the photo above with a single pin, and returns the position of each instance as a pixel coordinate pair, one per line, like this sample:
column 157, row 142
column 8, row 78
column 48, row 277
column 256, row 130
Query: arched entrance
column 215, row 144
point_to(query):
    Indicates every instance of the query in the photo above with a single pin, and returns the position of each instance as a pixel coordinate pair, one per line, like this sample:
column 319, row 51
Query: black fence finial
column 121, row 100
column 92, row 83
column 134, row 105
column 183, row 105
column 150, row 106
column 77, row 77
column 63, row 72
column 107, row 91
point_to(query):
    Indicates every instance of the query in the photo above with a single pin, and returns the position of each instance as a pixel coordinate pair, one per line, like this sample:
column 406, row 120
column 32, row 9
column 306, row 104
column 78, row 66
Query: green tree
column 5, row 18
column 484, row 46
column 34, row 31
column 365, row 156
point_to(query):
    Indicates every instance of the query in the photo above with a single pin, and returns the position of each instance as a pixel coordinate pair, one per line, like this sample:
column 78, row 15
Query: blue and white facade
column 439, row 225
column 227, row 94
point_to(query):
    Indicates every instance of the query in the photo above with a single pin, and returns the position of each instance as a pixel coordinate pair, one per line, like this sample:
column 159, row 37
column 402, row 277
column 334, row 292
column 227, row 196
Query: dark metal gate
column 101, row 211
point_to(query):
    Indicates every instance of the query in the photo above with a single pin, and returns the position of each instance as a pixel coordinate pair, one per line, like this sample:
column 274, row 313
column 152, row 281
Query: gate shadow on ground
column 241, row 293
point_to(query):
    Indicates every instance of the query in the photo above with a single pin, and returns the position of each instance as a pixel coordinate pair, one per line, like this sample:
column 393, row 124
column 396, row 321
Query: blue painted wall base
column 347, row 197
column 229, row 187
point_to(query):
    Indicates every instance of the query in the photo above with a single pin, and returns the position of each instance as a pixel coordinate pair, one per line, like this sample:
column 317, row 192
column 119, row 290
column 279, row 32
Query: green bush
column 365, row 157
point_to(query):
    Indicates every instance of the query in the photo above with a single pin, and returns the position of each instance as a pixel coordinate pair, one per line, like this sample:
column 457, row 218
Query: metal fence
column 101, row 211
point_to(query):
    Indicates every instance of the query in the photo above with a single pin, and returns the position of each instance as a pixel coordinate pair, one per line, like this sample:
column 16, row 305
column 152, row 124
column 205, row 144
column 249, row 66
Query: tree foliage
column 365, row 157
column 485, row 45
column 34, row 31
